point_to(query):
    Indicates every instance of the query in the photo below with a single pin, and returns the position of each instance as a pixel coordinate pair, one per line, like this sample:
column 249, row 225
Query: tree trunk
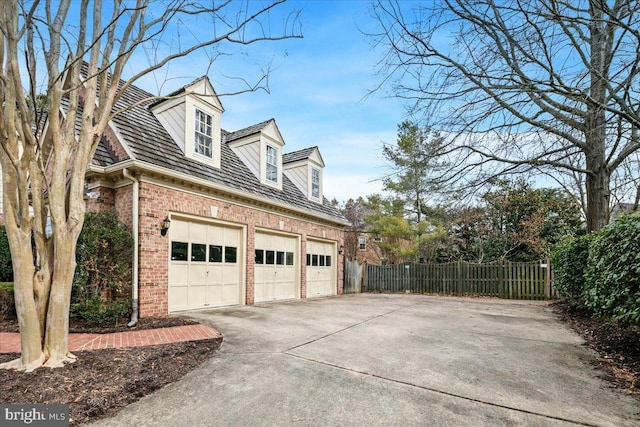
column 56, row 345
column 598, row 178
column 597, row 199
column 23, row 273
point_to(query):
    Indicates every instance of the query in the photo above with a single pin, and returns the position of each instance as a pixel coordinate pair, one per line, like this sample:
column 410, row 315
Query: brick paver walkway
column 10, row 341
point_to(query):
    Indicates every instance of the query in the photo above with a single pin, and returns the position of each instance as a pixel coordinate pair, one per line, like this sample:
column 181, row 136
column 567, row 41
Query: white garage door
column 205, row 265
column 321, row 276
column 276, row 258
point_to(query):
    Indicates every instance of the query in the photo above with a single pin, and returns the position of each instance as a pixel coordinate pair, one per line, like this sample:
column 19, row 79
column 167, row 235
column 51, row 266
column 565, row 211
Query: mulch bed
column 617, row 345
column 101, row 382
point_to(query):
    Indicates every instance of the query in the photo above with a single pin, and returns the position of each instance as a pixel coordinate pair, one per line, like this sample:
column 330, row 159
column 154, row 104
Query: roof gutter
column 203, row 182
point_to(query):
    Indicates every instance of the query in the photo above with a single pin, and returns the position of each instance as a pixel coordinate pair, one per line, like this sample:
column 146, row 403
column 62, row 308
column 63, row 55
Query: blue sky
column 318, row 93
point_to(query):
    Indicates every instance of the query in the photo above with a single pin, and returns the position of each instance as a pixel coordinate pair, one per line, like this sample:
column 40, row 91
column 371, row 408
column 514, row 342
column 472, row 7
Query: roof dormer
column 191, row 115
column 260, row 148
column 304, row 169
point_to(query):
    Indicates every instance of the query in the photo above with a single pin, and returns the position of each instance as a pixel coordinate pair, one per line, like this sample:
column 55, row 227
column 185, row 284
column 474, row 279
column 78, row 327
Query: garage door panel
column 180, row 231
column 275, row 279
column 198, row 232
column 229, row 293
column 179, row 274
column 199, row 276
column 228, row 273
column 179, row 297
column 197, row 273
column 213, row 295
column 197, row 295
column 321, row 272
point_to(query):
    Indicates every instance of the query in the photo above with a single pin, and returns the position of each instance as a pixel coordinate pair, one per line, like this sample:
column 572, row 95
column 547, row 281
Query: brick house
column 219, row 218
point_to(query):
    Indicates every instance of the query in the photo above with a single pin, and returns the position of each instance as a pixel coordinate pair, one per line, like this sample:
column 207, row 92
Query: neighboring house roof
column 149, row 142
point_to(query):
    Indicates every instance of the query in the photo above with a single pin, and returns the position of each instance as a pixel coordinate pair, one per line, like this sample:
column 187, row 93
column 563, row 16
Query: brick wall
column 157, row 201
column 103, row 202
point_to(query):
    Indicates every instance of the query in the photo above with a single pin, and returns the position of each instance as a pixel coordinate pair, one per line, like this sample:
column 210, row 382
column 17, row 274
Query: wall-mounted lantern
column 341, row 250
column 166, row 223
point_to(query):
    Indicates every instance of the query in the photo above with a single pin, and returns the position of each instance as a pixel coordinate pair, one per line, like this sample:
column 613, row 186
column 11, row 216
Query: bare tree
column 85, row 47
column 354, row 212
column 521, row 85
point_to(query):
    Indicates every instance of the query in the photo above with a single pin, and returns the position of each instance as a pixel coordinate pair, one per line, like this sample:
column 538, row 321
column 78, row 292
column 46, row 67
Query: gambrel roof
column 148, row 142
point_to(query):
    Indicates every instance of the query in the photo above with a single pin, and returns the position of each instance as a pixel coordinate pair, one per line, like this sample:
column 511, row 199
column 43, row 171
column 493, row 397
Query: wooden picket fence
column 502, row 279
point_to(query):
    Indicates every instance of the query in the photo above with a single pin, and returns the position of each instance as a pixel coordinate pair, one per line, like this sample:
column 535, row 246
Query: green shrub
column 569, row 259
column 102, row 281
column 6, row 269
column 612, row 287
column 7, row 302
column 95, row 311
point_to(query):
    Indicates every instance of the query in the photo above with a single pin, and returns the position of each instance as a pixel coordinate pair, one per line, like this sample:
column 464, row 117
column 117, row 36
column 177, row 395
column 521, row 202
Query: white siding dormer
column 304, row 168
column 261, row 150
column 248, row 150
column 171, row 115
column 192, row 117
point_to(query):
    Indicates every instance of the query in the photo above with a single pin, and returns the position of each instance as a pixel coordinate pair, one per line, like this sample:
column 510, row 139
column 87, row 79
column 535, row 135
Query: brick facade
column 156, row 201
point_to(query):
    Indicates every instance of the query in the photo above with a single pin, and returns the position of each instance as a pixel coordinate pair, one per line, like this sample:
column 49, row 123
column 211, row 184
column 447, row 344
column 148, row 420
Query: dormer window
column 272, row 164
column 315, row 183
column 203, row 134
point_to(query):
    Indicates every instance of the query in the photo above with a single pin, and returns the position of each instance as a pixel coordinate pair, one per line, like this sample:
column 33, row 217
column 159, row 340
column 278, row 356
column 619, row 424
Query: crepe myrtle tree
column 80, row 49
column 518, row 86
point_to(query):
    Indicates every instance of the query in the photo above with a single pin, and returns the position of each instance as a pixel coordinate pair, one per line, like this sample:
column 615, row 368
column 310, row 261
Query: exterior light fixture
column 166, row 223
column 341, row 250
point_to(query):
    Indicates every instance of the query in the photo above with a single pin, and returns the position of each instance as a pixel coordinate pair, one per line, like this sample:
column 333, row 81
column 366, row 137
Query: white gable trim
column 205, row 93
column 118, row 135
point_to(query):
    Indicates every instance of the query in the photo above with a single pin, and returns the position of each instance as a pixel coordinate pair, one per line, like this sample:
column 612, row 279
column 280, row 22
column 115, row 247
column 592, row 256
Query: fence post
column 365, row 275
column 547, row 287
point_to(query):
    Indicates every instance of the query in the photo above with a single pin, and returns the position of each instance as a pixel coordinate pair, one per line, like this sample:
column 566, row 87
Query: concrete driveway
column 389, row 360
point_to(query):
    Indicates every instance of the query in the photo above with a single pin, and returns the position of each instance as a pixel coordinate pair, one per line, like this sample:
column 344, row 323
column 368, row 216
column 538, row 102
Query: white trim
column 120, row 139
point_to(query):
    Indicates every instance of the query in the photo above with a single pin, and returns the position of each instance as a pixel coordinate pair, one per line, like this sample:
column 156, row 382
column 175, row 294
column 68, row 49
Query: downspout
column 134, row 227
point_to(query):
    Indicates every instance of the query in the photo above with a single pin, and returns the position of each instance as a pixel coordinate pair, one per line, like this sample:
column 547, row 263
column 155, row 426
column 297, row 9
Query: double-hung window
column 272, row 164
column 362, row 243
column 315, row 183
column 204, row 131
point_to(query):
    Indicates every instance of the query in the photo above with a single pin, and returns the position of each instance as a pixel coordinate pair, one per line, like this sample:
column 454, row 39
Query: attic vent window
column 272, row 164
column 315, row 183
column 204, row 140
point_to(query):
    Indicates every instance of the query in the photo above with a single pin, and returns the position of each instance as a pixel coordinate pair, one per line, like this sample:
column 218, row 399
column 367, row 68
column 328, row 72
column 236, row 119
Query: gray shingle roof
column 297, row 155
column 149, row 142
column 176, row 92
column 251, row 130
column 104, row 155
